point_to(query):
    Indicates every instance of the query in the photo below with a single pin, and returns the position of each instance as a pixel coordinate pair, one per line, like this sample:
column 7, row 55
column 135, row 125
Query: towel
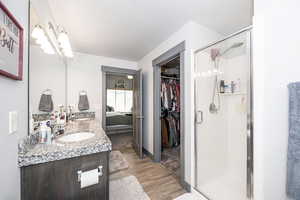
column 46, row 103
column 83, row 103
column 293, row 165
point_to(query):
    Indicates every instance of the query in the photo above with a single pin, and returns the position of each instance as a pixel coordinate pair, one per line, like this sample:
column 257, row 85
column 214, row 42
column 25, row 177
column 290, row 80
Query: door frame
column 139, row 115
column 116, row 71
column 178, row 50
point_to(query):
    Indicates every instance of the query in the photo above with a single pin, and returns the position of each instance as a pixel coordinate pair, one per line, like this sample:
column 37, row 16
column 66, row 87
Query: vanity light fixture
column 130, row 77
column 65, row 44
column 37, row 32
column 41, row 38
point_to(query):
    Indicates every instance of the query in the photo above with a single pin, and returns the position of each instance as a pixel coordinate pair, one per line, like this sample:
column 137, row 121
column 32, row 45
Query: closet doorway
column 169, row 110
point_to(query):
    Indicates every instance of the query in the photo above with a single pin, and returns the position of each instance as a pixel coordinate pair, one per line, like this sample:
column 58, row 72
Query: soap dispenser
column 45, row 133
column 48, row 133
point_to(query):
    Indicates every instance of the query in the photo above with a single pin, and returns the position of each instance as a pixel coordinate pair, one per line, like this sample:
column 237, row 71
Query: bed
column 118, row 118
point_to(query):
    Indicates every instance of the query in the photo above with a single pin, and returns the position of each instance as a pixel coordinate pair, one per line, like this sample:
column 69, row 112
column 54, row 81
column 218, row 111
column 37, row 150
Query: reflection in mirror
column 47, row 73
column 119, row 98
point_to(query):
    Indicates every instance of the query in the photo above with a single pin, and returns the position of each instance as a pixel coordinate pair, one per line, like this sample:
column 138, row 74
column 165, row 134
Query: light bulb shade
column 68, row 53
column 65, row 45
column 47, row 48
column 37, row 32
column 64, row 41
column 49, row 51
column 41, row 40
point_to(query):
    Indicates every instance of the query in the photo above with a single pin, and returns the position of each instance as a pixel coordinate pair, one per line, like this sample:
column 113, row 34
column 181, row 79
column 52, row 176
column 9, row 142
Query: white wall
column 84, row 73
column 46, row 72
column 13, row 96
column 195, row 37
column 276, row 63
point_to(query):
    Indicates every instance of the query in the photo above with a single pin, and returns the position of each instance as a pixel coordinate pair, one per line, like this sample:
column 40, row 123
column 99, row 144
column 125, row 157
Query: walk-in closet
column 170, row 115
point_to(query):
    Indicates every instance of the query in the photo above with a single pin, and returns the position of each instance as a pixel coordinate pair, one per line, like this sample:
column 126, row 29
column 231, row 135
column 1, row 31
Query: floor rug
column 188, row 196
column 127, row 188
column 117, row 162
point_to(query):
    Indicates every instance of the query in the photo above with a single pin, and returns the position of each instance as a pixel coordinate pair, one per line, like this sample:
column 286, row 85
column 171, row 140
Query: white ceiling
column 129, row 29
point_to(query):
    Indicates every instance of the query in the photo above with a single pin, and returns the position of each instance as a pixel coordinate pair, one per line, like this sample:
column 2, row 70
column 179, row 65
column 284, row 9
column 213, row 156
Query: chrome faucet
column 70, row 114
column 57, row 129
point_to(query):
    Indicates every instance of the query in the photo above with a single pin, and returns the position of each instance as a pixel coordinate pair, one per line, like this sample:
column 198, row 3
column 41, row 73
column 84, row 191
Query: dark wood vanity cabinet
column 58, row 180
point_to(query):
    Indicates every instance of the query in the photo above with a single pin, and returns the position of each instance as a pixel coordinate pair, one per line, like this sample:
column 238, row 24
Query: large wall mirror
column 47, row 72
column 73, row 86
column 61, row 85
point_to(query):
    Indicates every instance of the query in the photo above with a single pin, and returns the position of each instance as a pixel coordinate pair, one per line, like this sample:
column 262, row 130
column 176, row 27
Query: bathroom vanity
column 72, row 167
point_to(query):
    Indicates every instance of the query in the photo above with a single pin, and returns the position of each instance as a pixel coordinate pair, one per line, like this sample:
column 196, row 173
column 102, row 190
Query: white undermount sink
column 76, row 137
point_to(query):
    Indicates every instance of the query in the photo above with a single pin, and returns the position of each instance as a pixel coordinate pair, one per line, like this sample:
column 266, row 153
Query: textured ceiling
column 129, row 29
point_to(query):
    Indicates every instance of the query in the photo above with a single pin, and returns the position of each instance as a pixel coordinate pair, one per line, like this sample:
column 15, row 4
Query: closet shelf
column 168, row 77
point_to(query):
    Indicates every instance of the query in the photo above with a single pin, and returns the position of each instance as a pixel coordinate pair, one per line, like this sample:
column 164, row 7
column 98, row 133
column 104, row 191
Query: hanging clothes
column 164, row 133
column 170, row 102
column 164, row 97
column 177, row 88
column 170, row 95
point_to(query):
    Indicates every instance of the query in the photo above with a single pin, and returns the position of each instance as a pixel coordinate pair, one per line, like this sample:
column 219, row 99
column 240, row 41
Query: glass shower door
column 222, row 103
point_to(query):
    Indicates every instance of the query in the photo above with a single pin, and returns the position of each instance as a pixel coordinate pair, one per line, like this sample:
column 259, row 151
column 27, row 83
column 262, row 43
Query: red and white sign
column 11, row 45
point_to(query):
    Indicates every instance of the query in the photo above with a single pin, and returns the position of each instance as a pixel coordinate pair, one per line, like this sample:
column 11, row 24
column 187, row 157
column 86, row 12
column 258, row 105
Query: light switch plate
column 13, row 122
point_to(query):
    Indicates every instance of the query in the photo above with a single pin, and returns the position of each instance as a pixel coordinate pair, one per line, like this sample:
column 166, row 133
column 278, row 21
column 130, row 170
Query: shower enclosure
column 223, row 124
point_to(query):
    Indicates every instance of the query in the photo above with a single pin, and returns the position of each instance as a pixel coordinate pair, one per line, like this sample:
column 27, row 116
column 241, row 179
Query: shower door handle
column 199, row 117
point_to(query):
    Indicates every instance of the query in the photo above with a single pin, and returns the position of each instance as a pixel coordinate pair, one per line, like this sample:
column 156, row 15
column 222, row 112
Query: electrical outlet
column 13, row 122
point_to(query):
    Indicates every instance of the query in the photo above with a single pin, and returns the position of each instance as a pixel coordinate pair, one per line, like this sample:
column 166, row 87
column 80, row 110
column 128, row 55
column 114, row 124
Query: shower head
column 235, row 45
column 215, row 53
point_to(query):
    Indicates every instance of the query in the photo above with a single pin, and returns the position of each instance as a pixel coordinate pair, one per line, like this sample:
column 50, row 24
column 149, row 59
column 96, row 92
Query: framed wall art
column 11, row 45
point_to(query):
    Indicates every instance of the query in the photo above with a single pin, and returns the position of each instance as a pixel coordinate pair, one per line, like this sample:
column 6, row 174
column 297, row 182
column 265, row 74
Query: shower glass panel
column 222, row 103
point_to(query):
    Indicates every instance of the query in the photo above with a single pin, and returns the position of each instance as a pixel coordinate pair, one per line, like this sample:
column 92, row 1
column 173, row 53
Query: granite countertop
column 42, row 153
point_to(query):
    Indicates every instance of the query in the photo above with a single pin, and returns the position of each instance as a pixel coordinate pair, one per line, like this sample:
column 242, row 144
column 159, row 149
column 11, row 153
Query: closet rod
column 170, row 77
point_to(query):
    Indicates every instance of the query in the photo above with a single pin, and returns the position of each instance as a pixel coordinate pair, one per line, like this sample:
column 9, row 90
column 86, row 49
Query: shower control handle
column 199, row 117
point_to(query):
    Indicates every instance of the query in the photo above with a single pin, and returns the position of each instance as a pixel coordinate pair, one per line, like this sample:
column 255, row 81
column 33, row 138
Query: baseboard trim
column 198, row 194
column 186, row 186
column 147, row 153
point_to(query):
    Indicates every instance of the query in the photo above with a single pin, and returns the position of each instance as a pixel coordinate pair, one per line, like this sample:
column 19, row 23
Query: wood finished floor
column 158, row 182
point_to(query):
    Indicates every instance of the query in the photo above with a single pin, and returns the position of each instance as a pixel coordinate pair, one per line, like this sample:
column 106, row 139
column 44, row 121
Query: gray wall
column 13, row 96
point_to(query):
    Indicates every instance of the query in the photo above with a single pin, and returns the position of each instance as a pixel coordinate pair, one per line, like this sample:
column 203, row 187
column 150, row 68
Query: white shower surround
column 222, row 141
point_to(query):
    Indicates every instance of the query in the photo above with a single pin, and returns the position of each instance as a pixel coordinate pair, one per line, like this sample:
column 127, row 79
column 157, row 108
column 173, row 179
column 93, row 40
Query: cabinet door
column 58, row 180
column 37, row 182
